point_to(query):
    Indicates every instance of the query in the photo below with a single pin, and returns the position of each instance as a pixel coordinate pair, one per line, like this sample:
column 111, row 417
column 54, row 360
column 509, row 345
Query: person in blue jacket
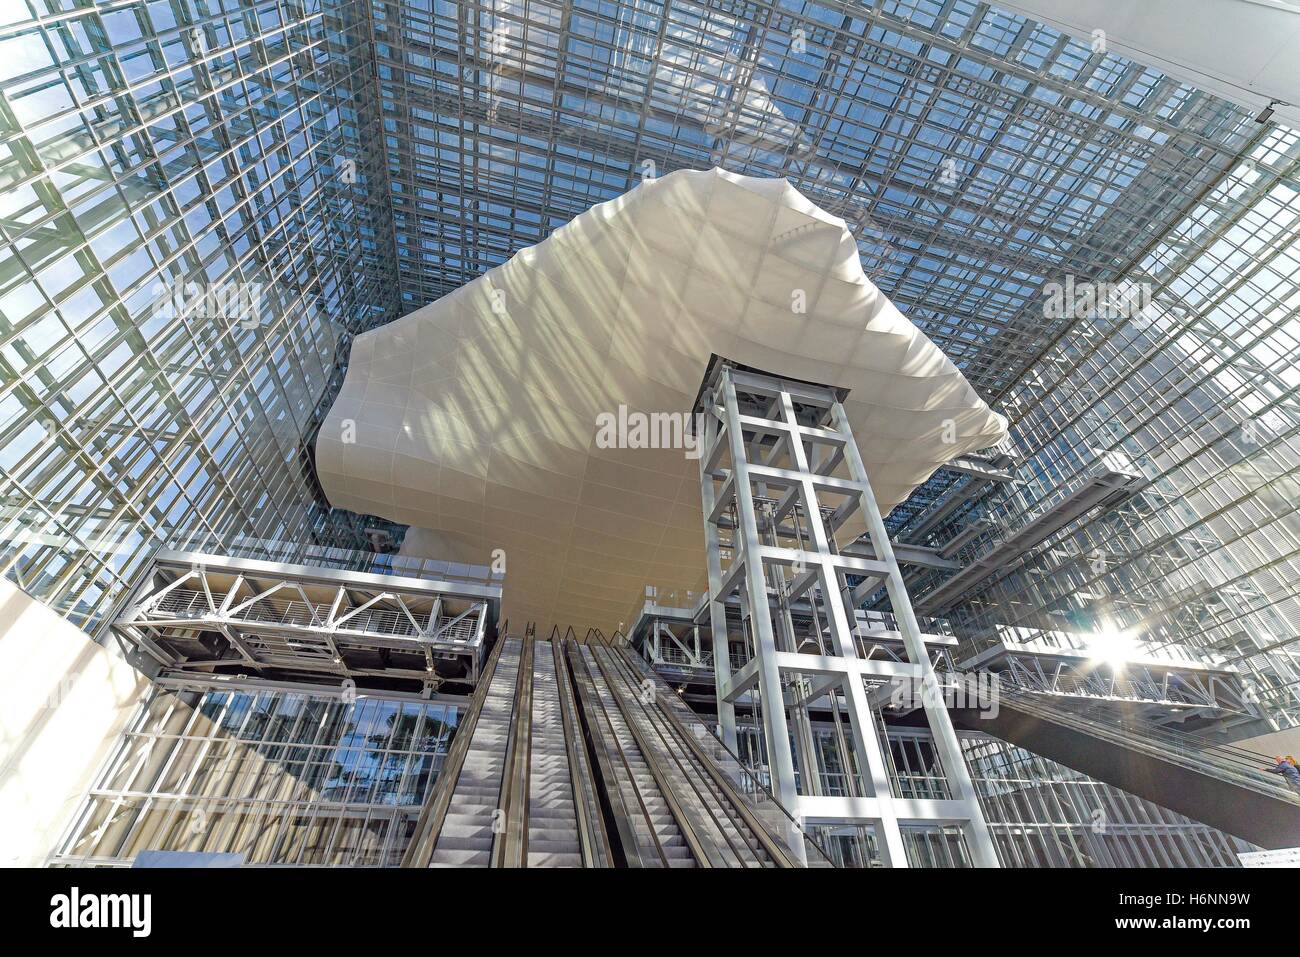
column 1289, row 771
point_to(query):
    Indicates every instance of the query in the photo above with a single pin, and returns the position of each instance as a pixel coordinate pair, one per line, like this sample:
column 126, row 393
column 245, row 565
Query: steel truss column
column 747, row 549
column 978, row 838
column 717, row 610
column 747, row 454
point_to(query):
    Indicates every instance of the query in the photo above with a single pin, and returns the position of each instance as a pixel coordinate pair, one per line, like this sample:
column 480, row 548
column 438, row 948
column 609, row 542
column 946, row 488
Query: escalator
column 646, row 818
column 456, row 827
column 713, row 818
column 553, row 810
column 558, row 813
column 734, row 784
column 1218, row 784
column 515, row 790
column 718, row 835
column 575, row 755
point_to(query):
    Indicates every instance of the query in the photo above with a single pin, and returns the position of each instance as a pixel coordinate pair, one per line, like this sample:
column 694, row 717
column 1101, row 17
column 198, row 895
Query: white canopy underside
column 474, row 419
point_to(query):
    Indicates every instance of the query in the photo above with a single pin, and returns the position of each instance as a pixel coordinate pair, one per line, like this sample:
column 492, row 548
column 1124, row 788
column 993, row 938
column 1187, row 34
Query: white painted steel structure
column 800, row 452
column 199, row 614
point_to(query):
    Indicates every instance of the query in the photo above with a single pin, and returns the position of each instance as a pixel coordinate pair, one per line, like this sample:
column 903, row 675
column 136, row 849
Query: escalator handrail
column 749, row 774
column 1183, row 741
column 428, row 825
column 1198, row 742
column 775, row 849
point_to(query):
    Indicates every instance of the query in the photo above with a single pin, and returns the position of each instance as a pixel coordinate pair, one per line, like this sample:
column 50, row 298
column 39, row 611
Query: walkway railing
column 776, row 819
column 1241, row 766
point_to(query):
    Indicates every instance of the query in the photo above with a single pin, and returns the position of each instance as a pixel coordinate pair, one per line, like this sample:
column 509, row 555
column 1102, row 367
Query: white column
column 749, row 551
column 841, row 670
column 717, row 610
column 978, row 838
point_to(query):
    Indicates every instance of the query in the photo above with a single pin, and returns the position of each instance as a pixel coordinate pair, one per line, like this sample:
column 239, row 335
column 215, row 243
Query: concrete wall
column 1276, row 743
column 63, row 702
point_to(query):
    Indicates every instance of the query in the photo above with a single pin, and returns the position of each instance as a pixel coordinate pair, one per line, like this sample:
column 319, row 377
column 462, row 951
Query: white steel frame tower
column 780, row 475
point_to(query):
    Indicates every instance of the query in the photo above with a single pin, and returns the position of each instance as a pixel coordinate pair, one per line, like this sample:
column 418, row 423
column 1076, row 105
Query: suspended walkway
column 1218, row 784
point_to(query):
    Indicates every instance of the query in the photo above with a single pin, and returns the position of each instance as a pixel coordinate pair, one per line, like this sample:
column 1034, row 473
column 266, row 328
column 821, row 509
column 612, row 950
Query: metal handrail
column 1238, row 765
column 756, row 786
column 428, row 825
column 1138, row 690
column 1190, row 739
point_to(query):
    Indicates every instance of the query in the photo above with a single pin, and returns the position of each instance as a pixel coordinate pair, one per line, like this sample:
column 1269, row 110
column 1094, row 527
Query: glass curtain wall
column 1043, row 814
column 1198, row 393
column 277, row 777
column 161, row 162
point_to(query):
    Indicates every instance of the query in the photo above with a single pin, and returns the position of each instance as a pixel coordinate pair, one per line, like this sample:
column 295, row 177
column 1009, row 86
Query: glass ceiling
column 975, row 154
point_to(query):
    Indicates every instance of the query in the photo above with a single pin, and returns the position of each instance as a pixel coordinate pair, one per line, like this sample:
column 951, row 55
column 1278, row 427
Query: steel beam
column 787, row 552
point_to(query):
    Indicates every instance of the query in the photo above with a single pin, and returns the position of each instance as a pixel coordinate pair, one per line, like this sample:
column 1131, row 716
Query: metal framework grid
column 1045, row 815
column 278, row 776
column 975, row 154
column 674, row 646
column 183, row 141
column 809, row 460
column 1199, row 393
column 196, row 614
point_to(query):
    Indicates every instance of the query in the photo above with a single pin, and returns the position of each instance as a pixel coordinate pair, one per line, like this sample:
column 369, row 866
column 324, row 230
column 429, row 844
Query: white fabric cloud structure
column 475, row 418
